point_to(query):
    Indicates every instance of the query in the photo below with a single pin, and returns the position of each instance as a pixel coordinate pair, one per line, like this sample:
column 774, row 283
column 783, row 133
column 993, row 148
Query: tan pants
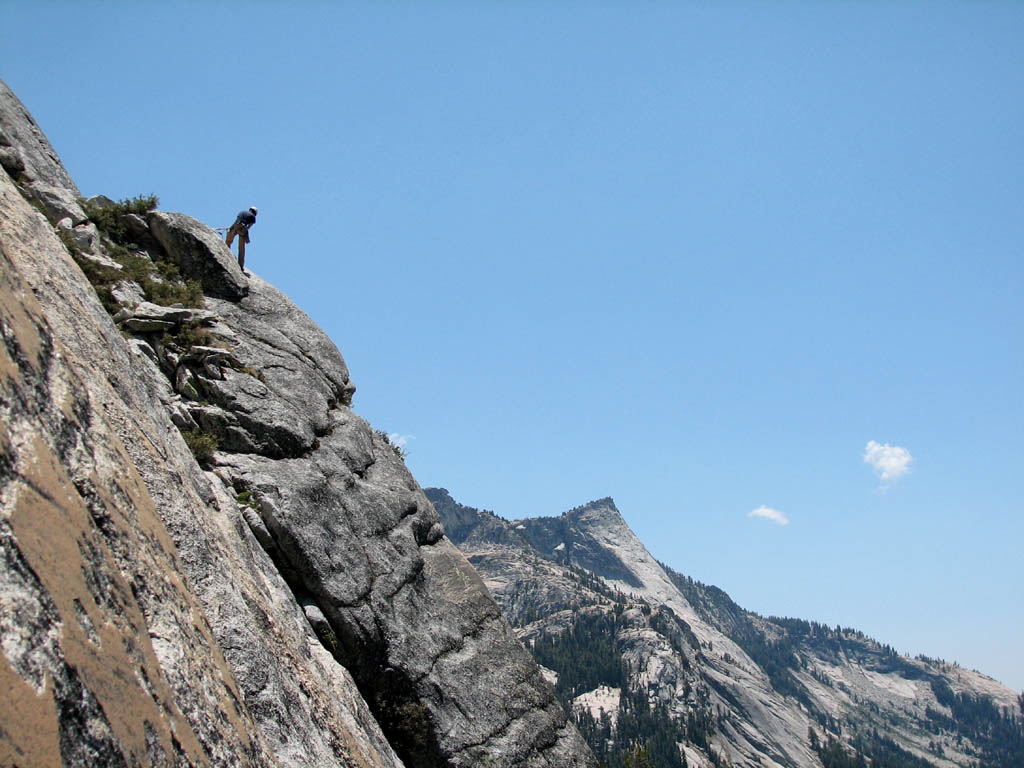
column 243, row 238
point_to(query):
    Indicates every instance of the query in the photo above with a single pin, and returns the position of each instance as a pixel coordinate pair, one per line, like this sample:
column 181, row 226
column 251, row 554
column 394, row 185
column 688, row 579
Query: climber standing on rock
column 243, row 221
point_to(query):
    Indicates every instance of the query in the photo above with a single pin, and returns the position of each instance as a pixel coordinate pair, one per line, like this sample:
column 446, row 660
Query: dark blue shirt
column 246, row 219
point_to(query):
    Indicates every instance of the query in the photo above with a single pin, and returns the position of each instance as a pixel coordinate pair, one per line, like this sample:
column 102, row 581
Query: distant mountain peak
column 621, row 632
column 605, row 503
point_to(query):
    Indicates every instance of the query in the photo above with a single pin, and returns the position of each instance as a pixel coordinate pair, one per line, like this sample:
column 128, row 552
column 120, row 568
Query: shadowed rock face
column 573, row 532
column 296, row 603
column 354, row 534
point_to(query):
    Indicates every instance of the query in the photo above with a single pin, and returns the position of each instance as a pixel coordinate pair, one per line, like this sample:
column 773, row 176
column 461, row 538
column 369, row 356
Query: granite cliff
column 209, row 557
column 642, row 652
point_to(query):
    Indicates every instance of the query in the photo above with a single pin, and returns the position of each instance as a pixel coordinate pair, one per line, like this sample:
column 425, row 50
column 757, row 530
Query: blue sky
column 694, row 256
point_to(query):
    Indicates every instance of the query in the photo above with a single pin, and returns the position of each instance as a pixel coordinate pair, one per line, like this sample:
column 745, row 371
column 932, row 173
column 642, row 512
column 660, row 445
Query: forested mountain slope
column 647, row 656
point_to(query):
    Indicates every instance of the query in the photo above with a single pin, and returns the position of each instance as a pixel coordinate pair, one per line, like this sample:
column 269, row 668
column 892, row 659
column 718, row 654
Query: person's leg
column 231, row 235
column 241, row 252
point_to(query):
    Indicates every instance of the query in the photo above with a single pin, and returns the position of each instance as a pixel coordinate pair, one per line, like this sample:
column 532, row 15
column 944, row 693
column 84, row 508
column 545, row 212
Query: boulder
column 137, row 230
column 390, row 596
column 56, row 202
column 127, row 292
column 200, row 254
column 86, row 236
column 101, row 201
column 87, row 241
column 141, row 347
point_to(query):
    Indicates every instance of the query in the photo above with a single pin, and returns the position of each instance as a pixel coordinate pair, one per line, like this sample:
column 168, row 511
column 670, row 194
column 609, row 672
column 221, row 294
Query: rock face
column 731, row 684
column 96, row 609
column 290, row 600
column 199, row 252
column 26, row 149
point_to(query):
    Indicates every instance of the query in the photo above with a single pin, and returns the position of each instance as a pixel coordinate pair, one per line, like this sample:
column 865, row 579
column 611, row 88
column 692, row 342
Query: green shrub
column 168, row 270
column 171, row 287
column 328, row 639
column 202, row 444
column 245, row 499
column 134, row 265
column 102, row 278
column 108, row 219
column 187, row 336
column 188, row 293
column 141, row 205
column 160, row 280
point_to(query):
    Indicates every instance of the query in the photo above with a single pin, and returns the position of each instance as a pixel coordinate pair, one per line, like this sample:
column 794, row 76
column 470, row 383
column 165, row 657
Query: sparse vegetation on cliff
column 202, row 444
column 122, row 260
column 109, row 218
column 398, row 450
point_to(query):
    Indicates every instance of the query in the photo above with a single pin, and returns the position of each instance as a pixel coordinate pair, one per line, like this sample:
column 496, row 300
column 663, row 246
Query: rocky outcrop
column 352, row 532
column 290, row 600
column 26, row 152
column 199, row 252
column 296, row 377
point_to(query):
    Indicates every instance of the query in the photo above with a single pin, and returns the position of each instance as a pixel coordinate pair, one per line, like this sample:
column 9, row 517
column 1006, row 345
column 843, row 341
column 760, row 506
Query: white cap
column 253, row 209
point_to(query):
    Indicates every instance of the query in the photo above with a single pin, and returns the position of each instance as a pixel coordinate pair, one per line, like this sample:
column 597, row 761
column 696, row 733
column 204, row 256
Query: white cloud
column 400, row 440
column 891, row 462
column 768, row 513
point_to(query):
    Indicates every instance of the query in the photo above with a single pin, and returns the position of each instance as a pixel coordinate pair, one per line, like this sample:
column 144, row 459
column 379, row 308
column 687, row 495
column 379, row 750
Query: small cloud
column 891, row 462
column 770, row 514
column 402, row 441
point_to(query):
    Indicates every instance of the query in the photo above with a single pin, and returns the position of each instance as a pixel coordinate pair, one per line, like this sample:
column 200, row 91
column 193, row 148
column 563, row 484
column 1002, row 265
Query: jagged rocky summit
column 208, row 557
column 640, row 653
